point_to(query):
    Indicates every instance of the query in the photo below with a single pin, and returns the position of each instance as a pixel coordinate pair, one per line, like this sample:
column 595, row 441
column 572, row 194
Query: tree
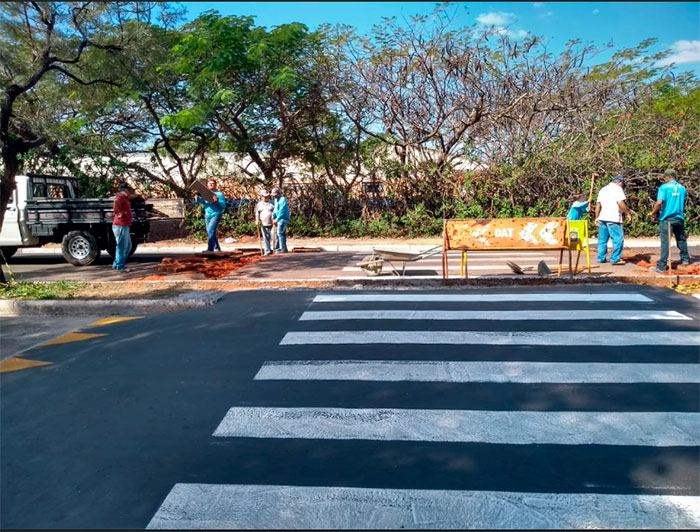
column 255, row 86
column 58, row 45
column 136, row 117
column 421, row 88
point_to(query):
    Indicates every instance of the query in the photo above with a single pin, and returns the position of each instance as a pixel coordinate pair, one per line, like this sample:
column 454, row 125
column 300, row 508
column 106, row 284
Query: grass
column 48, row 290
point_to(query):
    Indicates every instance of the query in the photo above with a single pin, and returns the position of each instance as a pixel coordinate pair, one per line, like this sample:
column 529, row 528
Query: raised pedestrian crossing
column 606, row 418
column 479, row 264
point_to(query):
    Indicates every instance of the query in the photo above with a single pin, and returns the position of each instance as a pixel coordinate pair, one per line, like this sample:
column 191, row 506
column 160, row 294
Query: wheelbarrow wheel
column 372, row 265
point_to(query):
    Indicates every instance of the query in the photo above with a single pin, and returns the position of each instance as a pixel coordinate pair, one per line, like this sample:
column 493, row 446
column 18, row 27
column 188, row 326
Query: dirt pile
column 213, row 265
column 645, row 261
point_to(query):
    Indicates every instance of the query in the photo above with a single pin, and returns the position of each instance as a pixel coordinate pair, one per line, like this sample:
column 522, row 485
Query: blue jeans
column 123, row 248
column 281, row 243
column 211, row 223
column 612, row 230
column 267, row 234
column 678, row 231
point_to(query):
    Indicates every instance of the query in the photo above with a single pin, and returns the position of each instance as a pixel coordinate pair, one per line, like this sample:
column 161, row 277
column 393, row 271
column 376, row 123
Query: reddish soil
column 150, row 278
column 306, row 250
column 212, row 265
column 644, row 261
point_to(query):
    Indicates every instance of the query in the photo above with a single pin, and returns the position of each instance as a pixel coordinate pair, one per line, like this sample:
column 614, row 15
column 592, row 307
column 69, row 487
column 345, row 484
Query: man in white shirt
column 263, row 215
column 609, row 208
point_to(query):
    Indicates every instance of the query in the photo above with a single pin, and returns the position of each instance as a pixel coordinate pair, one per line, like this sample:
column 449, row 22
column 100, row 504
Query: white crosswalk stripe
column 551, row 297
column 584, row 338
column 247, row 507
column 306, row 362
column 491, row 315
column 657, row 429
column 429, row 371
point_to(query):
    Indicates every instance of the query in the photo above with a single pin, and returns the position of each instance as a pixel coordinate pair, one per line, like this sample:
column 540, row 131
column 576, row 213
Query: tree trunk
column 10, row 161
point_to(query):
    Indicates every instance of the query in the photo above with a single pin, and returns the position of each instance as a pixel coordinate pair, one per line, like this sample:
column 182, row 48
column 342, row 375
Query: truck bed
column 44, row 215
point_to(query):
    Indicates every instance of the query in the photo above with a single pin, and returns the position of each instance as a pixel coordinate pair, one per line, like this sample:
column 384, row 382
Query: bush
column 419, row 222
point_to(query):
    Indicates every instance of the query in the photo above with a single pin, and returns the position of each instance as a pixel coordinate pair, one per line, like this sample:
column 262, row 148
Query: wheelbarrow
column 373, row 264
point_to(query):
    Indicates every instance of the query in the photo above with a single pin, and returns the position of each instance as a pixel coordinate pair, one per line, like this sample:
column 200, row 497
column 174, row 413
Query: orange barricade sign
column 497, row 234
column 505, row 233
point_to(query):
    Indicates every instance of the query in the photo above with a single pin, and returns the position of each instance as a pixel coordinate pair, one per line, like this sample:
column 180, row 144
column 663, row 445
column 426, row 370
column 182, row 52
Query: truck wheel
column 80, row 248
column 7, row 252
column 112, row 248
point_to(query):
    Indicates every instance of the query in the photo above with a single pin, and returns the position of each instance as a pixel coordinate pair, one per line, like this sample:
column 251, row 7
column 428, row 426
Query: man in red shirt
column 121, row 226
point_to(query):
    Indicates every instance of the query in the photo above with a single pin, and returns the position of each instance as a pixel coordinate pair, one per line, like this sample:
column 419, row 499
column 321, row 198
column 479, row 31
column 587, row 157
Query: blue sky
column 676, row 25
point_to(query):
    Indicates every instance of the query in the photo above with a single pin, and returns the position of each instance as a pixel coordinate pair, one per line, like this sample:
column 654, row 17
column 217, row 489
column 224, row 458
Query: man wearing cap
column 670, row 204
column 280, row 218
column 121, row 225
column 263, row 215
column 609, row 208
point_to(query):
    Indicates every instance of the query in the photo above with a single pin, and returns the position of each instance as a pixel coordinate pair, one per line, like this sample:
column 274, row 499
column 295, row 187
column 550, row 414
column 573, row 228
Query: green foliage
column 419, row 222
column 283, row 95
column 49, row 290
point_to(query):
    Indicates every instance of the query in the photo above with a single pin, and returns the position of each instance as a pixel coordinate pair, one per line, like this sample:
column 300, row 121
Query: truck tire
column 7, row 252
column 80, row 248
column 111, row 248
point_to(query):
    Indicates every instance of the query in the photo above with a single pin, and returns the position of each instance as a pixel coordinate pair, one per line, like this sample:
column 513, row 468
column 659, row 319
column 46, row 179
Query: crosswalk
column 471, row 410
column 479, row 264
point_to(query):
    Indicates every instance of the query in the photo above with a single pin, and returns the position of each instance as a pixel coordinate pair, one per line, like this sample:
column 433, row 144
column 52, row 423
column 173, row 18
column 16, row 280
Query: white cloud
column 683, row 52
column 596, row 11
column 497, row 22
column 516, row 35
column 495, row 19
column 537, row 4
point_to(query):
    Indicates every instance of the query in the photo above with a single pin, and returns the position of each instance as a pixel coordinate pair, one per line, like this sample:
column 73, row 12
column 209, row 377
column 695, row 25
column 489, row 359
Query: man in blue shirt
column 579, row 208
column 280, row 218
column 670, row 203
column 212, row 214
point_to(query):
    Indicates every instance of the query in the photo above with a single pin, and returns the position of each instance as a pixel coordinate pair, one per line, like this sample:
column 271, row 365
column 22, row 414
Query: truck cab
column 15, row 231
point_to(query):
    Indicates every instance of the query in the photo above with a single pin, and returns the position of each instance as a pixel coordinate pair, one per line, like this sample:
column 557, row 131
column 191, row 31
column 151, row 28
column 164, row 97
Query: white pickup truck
column 47, row 209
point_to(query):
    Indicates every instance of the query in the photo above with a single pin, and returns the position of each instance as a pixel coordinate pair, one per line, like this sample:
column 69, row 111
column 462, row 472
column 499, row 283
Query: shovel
column 542, row 269
column 260, row 239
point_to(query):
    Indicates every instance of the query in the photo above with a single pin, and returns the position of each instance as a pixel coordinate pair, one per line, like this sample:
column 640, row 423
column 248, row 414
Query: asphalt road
column 51, row 266
column 428, row 410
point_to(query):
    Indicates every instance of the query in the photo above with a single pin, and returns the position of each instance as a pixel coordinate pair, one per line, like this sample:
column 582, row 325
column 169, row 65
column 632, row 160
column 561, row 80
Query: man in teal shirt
column 212, row 214
column 280, row 218
column 670, row 203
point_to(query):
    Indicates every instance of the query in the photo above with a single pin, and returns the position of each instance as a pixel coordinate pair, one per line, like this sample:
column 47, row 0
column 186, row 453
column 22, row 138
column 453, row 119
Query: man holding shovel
column 670, row 204
column 609, row 210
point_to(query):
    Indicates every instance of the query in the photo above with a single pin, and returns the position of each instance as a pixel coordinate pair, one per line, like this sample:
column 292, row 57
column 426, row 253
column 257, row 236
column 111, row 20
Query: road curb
column 204, row 298
column 108, row 307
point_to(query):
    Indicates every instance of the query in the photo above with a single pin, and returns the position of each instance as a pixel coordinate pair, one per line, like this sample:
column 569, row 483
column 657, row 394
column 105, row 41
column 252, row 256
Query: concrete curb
column 108, row 307
column 204, row 298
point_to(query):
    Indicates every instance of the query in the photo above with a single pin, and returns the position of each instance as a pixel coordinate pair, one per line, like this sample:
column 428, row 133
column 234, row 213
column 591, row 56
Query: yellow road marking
column 71, row 337
column 17, row 364
column 115, row 319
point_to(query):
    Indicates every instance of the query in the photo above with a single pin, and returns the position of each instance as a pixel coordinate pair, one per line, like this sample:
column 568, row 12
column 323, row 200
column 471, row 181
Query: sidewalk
column 338, row 244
